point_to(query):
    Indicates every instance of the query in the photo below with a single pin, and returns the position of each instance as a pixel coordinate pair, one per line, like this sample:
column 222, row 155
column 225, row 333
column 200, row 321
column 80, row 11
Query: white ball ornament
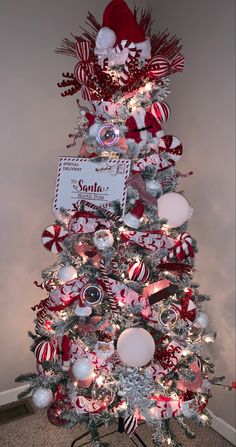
column 173, row 207
column 153, row 187
column 42, row 397
column 67, row 273
column 201, row 321
column 136, row 347
column 83, row 369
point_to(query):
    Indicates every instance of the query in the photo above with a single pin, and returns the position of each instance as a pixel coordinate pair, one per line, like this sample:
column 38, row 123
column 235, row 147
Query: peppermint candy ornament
column 45, row 351
column 161, row 111
column 172, row 145
column 138, row 271
column 53, row 237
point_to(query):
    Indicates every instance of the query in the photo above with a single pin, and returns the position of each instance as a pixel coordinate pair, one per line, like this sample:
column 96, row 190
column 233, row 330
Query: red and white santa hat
column 133, row 217
column 119, row 24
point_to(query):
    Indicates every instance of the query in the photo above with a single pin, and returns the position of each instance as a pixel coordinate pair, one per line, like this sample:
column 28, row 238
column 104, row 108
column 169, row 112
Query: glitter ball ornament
column 82, row 369
column 42, row 397
column 67, row 273
column 135, row 347
column 55, row 411
column 107, row 135
column 153, row 187
column 168, row 317
column 201, row 321
column 104, row 393
column 138, row 271
column 103, row 239
column 92, row 294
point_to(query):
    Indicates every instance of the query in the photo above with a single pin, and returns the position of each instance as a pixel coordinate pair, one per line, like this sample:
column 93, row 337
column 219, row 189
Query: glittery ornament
column 42, row 397
column 54, row 413
column 82, row 369
column 168, row 316
column 92, row 294
column 107, row 135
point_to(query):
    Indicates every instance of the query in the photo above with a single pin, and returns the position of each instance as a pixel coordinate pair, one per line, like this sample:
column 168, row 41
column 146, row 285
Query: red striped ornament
column 159, row 66
column 138, row 271
column 53, row 237
column 45, row 351
column 124, row 75
column 161, row 111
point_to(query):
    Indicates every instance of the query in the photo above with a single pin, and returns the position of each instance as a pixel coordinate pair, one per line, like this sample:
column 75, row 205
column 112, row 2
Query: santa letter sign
column 98, row 182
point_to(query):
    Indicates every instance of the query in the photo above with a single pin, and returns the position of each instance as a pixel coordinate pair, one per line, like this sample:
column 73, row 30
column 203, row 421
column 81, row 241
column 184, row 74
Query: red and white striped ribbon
column 132, row 53
column 108, row 288
column 109, row 214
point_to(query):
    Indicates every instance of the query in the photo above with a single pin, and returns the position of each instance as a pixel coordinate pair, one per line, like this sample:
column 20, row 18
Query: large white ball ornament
column 136, row 347
column 83, row 369
column 173, row 207
column 42, row 397
column 67, row 273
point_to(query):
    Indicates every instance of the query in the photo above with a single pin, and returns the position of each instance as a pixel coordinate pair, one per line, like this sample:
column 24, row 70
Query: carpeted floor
column 36, row 431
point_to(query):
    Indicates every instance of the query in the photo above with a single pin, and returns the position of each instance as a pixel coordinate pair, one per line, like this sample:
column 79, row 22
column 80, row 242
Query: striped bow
column 84, row 68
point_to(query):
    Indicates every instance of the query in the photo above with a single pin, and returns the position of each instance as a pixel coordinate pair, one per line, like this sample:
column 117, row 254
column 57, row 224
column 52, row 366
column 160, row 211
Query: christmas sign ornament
column 127, row 347
column 107, row 135
column 82, row 179
column 91, row 294
column 174, row 208
column 53, row 237
column 138, row 271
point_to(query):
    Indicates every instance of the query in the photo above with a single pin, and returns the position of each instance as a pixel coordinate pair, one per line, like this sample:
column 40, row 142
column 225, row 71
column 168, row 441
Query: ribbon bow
column 84, row 68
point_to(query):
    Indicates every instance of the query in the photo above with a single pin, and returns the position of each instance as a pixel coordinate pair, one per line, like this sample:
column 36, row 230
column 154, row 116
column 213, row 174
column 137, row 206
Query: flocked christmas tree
column 121, row 332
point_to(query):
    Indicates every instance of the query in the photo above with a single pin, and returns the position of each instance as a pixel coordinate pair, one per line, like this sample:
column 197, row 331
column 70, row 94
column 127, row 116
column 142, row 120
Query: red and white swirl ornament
column 45, row 351
column 161, row 111
column 187, row 309
column 159, row 66
column 84, row 68
column 66, row 295
column 172, row 145
column 182, row 249
column 53, row 237
column 138, row 271
column 124, row 75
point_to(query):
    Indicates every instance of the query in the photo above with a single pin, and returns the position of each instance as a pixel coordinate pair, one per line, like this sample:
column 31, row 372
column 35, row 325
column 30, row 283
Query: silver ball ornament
column 42, row 397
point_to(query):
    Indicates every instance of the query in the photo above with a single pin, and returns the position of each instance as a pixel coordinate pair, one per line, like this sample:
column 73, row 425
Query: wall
column 34, row 125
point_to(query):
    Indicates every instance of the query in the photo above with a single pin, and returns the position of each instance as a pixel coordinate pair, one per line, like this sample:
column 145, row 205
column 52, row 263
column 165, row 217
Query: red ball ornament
column 45, row 351
column 55, row 411
column 138, row 271
column 161, row 111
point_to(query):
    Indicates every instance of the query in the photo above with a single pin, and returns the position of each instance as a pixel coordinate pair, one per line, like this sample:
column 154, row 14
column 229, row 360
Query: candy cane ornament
column 109, row 214
column 108, row 288
column 182, row 249
column 124, row 77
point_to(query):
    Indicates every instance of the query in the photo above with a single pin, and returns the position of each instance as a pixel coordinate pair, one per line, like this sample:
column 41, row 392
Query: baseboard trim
column 219, row 425
column 8, row 396
column 226, row 430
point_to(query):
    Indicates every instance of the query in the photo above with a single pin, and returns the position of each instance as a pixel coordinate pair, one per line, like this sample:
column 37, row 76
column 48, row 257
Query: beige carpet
column 36, row 431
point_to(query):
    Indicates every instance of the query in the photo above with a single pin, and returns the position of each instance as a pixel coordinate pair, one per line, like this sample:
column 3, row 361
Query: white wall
column 34, row 125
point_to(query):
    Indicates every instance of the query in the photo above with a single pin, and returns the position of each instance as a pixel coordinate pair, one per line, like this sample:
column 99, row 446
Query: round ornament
column 103, row 239
column 168, row 317
column 42, row 397
column 53, row 237
column 135, row 347
column 103, row 393
column 67, row 273
column 138, row 271
column 55, row 411
column 92, row 294
column 172, row 145
column 45, row 351
column 107, row 135
column 201, row 321
column 82, row 369
column 153, row 187
column 173, row 207
column 161, row 111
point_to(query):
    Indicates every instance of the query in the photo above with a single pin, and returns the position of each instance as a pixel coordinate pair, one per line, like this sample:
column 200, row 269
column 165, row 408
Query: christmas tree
column 121, row 333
